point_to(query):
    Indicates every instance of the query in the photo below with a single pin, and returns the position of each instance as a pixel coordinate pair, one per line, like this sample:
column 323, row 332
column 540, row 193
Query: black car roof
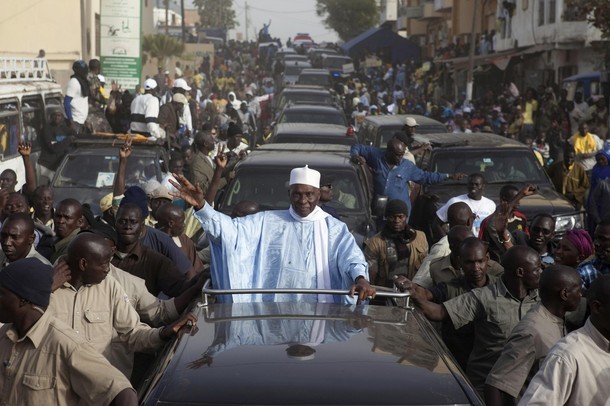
column 399, row 120
column 469, row 140
column 292, row 155
column 307, row 128
column 305, row 89
column 312, row 107
column 239, row 356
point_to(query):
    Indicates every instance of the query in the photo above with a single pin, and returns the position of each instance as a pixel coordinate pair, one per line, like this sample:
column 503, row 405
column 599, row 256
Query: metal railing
column 13, row 69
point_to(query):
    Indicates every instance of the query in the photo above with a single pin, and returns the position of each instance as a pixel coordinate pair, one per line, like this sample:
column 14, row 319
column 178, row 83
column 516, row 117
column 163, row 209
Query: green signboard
column 121, row 41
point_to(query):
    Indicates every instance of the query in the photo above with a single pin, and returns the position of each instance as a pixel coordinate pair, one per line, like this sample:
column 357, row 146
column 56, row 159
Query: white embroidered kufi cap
column 305, row 176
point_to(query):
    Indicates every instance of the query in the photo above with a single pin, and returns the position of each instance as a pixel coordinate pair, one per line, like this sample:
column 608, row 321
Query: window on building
column 552, row 11
column 540, row 12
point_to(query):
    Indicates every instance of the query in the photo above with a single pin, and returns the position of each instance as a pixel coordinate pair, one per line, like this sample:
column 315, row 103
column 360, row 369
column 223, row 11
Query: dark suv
column 502, row 161
column 289, row 353
column 378, row 130
column 263, row 177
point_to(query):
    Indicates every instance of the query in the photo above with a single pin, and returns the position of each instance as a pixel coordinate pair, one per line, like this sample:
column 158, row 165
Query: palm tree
column 162, row 47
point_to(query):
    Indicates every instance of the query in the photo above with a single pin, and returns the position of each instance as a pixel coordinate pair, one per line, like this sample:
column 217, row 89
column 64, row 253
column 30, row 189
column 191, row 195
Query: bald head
column 24, row 219
column 459, row 214
column 455, row 237
column 470, row 244
column 598, row 298
column 245, row 208
column 85, row 246
column 556, row 281
column 171, row 219
column 518, row 256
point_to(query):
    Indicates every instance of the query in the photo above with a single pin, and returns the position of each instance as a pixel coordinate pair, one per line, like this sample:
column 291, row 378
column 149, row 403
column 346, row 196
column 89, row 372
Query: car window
column 293, row 70
column 319, row 80
column 10, row 130
column 497, row 166
column 387, row 133
column 313, row 98
column 336, row 62
column 269, row 188
column 97, row 171
column 33, row 119
column 313, row 117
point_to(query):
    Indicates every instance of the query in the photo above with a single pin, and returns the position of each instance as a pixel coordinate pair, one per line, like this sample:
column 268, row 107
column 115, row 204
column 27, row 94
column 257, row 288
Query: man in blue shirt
column 599, row 264
column 392, row 173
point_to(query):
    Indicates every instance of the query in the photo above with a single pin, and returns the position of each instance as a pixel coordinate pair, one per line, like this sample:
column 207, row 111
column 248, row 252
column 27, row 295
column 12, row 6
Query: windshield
column 293, row 70
column 314, row 117
column 387, row 133
column 336, row 62
column 269, row 188
column 97, row 171
column 500, row 166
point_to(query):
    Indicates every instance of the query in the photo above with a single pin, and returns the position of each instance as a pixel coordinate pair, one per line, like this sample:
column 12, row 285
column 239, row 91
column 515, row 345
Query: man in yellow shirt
column 586, row 146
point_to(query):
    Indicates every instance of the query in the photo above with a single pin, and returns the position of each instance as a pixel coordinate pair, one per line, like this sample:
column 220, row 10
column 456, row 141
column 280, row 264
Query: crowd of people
column 82, row 294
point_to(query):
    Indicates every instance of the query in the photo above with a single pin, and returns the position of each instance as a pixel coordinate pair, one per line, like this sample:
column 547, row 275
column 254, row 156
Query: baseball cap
column 410, row 122
column 150, row 84
column 181, row 83
column 179, row 98
column 161, row 193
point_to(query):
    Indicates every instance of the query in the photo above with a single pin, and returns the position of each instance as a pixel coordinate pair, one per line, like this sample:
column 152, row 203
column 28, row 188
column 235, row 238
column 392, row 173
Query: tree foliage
column 216, row 13
column 348, row 18
column 596, row 12
column 162, row 47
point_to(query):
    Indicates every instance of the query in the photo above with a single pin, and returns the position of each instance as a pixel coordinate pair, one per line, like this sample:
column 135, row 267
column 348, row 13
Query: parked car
column 288, row 353
column 309, row 94
column 309, row 113
column 263, row 177
column 378, row 130
column 306, row 133
column 335, row 64
column 502, row 161
column 87, row 173
column 315, row 77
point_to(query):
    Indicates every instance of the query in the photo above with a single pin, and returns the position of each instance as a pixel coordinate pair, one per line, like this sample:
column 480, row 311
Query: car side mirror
column 379, row 206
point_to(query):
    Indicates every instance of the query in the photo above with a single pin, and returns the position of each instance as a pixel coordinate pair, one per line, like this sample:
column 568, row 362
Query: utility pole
column 183, row 22
column 246, row 13
column 470, row 78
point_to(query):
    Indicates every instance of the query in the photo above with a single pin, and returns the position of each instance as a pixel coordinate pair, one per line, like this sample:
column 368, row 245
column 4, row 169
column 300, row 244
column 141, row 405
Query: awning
column 500, row 59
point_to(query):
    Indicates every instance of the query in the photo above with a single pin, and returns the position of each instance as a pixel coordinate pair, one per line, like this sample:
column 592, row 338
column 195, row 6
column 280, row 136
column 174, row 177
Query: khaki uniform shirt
column 528, row 344
column 441, row 270
column 495, row 312
column 152, row 311
column 575, row 372
column 52, row 365
column 96, row 312
column 61, row 246
column 31, row 254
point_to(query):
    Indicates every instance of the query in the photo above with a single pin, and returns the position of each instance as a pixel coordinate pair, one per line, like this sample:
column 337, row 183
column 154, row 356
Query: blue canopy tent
column 398, row 49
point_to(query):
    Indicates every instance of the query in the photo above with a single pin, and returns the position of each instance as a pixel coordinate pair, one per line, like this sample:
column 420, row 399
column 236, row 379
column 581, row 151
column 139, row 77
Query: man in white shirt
column 76, row 101
column 480, row 205
column 145, row 113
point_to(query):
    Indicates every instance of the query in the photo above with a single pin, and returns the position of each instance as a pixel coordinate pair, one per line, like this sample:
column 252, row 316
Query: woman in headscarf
column 601, row 170
column 600, row 189
column 575, row 247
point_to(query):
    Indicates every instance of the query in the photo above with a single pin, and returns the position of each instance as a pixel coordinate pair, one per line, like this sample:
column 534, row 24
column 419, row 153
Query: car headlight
column 570, row 222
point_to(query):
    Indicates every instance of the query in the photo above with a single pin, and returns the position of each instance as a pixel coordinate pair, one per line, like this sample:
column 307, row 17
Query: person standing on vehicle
column 169, row 117
column 397, row 249
column 76, row 100
column 392, row 173
column 303, row 247
column 186, row 118
column 145, row 113
column 45, row 361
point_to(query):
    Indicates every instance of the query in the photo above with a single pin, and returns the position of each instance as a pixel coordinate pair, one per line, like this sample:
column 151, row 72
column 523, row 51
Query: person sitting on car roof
column 302, row 247
column 392, row 173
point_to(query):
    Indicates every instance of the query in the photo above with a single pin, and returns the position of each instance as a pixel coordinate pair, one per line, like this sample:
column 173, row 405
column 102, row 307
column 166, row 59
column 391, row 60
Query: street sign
column 121, row 41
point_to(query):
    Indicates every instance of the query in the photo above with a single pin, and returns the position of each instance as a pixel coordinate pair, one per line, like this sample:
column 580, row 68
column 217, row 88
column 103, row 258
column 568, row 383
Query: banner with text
column 121, row 41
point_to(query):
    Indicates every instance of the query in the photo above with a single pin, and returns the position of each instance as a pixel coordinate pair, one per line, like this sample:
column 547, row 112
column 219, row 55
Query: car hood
column 309, row 353
column 545, row 200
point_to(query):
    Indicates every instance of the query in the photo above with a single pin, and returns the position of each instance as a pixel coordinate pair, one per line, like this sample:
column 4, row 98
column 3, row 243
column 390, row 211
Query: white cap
column 181, row 83
column 150, row 84
column 180, row 98
column 101, row 78
column 410, row 122
column 305, row 176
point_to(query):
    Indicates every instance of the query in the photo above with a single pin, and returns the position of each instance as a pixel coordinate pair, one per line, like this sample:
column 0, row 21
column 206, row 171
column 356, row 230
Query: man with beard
column 599, row 264
column 397, row 249
column 76, row 100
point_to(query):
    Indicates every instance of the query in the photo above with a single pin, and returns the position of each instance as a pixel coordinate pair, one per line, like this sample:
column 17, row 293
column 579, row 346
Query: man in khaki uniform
column 532, row 339
column 397, row 249
column 44, row 361
column 68, row 219
column 17, row 238
column 96, row 306
column 494, row 309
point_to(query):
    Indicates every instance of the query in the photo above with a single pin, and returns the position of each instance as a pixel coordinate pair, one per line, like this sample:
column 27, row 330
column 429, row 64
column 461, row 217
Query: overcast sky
column 288, row 17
